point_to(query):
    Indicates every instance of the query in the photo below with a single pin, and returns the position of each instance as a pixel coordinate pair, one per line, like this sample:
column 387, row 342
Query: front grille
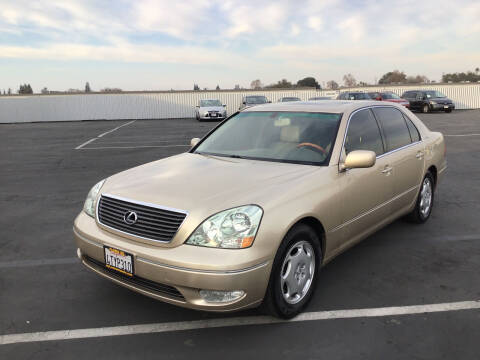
column 139, row 282
column 153, row 223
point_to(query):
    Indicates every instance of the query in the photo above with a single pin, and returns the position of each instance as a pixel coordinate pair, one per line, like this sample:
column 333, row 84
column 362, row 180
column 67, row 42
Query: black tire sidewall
column 425, row 106
column 274, row 293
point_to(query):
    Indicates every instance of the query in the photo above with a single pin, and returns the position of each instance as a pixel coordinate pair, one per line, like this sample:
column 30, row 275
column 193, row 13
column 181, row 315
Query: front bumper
column 440, row 107
column 212, row 117
column 176, row 284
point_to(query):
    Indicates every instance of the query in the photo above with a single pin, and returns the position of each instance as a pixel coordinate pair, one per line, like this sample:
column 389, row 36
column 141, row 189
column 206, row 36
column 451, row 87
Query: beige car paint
column 348, row 204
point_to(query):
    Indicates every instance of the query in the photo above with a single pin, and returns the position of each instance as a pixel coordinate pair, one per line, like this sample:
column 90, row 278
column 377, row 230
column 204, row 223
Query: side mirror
column 359, row 159
column 194, row 142
column 243, row 102
column 224, row 105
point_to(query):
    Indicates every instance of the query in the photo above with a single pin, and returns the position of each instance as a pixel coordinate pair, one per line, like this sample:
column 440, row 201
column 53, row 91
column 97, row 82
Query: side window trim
column 408, row 120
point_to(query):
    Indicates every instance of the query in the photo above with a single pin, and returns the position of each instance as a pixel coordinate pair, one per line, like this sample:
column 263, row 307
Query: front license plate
column 213, row 115
column 445, row 106
column 118, row 260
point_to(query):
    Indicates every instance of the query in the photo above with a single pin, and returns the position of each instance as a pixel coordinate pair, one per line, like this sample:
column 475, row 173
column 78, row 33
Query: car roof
column 331, row 106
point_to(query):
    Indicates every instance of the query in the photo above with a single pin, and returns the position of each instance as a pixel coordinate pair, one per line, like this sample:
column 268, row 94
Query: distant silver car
column 315, row 98
column 253, row 100
column 289, row 99
column 210, row 109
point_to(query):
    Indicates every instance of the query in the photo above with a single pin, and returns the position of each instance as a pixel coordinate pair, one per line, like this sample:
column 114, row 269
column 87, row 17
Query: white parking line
column 132, row 147
column 463, row 135
column 234, row 321
column 79, row 147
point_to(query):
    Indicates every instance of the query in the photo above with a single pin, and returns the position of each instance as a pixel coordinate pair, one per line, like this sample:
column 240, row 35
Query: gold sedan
column 253, row 211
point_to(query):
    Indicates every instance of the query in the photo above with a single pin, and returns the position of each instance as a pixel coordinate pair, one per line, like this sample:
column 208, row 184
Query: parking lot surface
column 46, row 170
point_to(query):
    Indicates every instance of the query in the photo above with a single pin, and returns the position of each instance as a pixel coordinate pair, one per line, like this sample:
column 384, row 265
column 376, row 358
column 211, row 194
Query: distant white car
column 210, row 109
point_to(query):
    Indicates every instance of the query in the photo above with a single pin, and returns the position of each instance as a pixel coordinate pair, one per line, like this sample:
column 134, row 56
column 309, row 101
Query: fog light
column 217, row 296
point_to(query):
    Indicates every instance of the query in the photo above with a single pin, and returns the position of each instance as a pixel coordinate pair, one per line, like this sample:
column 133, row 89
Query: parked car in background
column 252, row 100
column 389, row 96
column 253, row 211
column 428, row 100
column 357, row 95
column 319, row 98
column 210, row 109
column 289, row 99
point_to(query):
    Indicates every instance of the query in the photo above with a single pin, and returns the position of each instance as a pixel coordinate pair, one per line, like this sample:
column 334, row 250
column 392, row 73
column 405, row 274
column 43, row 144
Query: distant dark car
column 319, row 98
column 389, row 96
column 253, row 100
column 353, row 96
column 289, row 99
column 428, row 100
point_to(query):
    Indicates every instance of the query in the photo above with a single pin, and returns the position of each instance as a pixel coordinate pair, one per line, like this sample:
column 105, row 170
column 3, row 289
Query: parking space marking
column 39, row 262
column 79, row 147
column 462, row 135
column 132, row 147
column 234, row 321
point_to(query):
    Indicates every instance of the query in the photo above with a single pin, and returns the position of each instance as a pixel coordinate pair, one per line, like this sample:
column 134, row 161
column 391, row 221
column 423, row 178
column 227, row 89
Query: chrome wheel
column 426, row 198
column 297, row 272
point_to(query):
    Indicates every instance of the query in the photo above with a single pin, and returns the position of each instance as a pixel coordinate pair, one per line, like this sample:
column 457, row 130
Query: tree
column 196, row 87
column 25, row 89
column 217, row 88
column 349, row 80
column 362, row 83
column 9, row 92
column 477, row 70
column 237, row 87
column 461, row 77
column 256, row 84
column 87, row 87
column 332, row 85
column 282, row 84
column 419, row 79
column 109, row 90
column 45, row 90
column 308, row 82
column 393, row 77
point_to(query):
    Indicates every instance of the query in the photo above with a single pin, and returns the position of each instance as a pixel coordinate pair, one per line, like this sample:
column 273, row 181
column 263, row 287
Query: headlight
column 205, row 113
column 432, row 102
column 89, row 206
column 232, row 229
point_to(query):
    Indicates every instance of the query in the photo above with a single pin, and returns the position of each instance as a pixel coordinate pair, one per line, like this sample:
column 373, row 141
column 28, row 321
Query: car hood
column 206, row 184
column 212, row 108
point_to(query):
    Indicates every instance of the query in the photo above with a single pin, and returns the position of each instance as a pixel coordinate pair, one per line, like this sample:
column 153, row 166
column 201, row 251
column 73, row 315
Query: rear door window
column 363, row 133
column 394, row 127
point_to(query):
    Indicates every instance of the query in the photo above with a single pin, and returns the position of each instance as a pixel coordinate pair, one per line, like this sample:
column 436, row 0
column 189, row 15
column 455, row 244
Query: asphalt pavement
column 46, row 170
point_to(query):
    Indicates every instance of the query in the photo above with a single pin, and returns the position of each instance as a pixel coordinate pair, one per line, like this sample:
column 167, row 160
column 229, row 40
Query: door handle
column 419, row 155
column 387, row 170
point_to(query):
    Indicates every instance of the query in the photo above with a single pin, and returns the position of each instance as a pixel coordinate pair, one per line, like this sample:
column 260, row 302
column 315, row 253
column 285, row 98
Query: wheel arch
column 433, row 170
column 317, row 226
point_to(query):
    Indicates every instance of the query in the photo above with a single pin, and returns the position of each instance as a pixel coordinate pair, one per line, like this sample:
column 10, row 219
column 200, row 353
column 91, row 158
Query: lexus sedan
column 251, row 213
column 210, row 109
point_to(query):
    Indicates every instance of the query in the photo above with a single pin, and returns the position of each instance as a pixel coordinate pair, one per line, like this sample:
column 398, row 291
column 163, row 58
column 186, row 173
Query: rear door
column 405, row 152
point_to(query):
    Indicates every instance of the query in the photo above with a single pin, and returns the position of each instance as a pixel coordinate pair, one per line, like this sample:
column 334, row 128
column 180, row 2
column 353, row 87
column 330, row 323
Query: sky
column 162, row 45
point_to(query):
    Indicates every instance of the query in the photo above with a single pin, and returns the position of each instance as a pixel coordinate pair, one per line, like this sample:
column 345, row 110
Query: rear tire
column 294, row 273
column 448, row 110
column 423, row 207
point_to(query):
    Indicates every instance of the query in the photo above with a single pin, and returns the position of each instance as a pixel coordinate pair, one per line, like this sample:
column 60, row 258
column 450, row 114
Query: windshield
column 288, row 99
column 256, row 100
column 296, row 137
column 390, row 96
column 358, row 96
column 434, row 94
column 205, row 103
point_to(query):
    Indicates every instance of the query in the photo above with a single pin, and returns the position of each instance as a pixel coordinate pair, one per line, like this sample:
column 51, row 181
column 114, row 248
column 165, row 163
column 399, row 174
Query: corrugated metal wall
column 163, row 105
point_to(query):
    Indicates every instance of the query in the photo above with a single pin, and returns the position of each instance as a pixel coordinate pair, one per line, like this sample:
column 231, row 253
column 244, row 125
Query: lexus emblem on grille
column 130, row 217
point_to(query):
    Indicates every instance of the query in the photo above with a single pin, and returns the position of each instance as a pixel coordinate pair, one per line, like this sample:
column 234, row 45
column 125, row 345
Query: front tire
column 294, row 273
column 423, row 207
column 448, row 110
column 425, row 109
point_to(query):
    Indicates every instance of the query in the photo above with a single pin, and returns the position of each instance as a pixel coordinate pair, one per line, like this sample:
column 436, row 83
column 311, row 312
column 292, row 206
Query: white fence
column 168, row 105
